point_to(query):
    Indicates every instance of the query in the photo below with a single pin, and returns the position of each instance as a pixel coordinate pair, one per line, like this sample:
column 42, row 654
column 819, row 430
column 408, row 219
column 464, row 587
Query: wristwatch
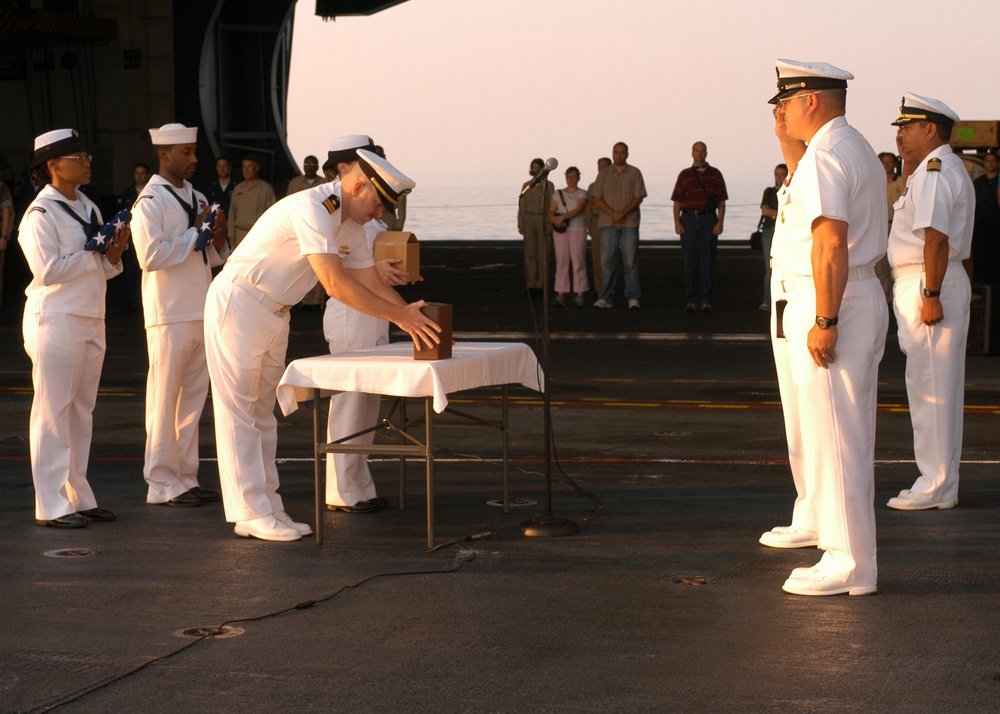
column 932, row 293
column 825, row 322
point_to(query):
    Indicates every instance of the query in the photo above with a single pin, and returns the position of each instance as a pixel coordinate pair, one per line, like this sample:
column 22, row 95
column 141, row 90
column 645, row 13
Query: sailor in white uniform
column 167, row 219
column 64, row 327
column 931, row 235
column 316, row 233
column 349, row 484
column 829, row 323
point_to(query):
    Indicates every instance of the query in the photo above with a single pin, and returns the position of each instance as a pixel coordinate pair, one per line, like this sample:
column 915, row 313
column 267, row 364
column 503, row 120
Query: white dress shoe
column 812, row 581
column 304, row 529
column 909, row 501
column 788, row 537
column 267, row 528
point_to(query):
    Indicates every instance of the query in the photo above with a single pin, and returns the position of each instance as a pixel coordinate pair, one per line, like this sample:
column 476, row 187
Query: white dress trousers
column 178, row 379
column 348, row 478
column 67, row 354
column 830, row 423
column 241, row 332
column 935, row 378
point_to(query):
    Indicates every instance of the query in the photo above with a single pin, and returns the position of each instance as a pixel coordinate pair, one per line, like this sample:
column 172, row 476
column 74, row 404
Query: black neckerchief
column 89, row 228
column 191, row 211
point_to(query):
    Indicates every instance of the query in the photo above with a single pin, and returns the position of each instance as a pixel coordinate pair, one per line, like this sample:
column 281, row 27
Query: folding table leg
column 429, row 460
column 320, row 498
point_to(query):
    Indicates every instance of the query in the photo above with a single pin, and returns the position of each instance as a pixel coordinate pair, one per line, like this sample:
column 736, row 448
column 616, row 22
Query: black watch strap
column 931, row 293
column 826, row 322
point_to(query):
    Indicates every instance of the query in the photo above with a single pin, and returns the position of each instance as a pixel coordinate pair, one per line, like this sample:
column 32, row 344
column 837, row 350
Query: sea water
column 490, row 213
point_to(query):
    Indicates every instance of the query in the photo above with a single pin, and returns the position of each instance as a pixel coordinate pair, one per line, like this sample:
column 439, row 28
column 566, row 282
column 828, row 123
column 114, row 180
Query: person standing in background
column 315, row 298
column 532, row 224
column 309, row 178
column 566, row 211
column 130, row 266
column 931, row 236
column 251, row 197
column 618, row 192
column 593, row 216
column 220, row 190
column 768, row 212
column 894, row 188
column 986, row 232
column 6, row 227
column 699, row 212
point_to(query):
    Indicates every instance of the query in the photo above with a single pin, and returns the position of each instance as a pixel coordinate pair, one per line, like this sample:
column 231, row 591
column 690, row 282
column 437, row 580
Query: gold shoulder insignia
column 934, row 164
column 332, row 203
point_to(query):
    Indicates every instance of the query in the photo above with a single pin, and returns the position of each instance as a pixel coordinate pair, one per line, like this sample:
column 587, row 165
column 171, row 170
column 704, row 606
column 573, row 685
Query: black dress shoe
column 204, row 494
column 369, row 506
column 186, row 500
column 101, row 515
column 70, row 520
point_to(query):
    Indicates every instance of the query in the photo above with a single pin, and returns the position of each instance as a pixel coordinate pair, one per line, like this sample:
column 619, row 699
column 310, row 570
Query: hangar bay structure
column 114, row 68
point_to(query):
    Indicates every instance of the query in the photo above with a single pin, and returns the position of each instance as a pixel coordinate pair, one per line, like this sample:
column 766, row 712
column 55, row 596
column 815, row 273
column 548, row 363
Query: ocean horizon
column 489, row 213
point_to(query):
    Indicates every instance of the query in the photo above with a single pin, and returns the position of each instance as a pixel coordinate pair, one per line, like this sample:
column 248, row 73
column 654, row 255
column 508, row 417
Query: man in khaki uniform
column 532, row 210
column 593, row 215
column 310, row 176
column 251, row 197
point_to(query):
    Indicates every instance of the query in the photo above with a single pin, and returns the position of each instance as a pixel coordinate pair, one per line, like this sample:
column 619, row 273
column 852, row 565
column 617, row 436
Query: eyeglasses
column 85, row 159
column 795, row 96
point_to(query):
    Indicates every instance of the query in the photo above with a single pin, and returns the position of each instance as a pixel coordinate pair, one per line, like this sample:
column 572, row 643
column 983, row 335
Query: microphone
column 541, row 175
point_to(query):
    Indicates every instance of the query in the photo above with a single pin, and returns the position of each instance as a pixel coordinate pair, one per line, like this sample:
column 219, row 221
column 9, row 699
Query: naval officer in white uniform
column 314, row 233
column 829, row 323
column 167, row 218
column 931, row 235
column 64, row 327
column 349, row 484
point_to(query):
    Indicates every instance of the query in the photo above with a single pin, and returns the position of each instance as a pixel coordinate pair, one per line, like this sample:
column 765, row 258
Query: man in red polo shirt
column 699, row 209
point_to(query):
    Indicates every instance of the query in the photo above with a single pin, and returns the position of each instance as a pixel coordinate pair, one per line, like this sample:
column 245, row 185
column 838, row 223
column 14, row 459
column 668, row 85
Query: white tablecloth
column 391, row 370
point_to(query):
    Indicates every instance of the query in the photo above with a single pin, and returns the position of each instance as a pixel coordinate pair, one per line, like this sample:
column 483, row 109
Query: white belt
column 906, row 271
column 252, row 291
column 805, row 282
column 915, row 269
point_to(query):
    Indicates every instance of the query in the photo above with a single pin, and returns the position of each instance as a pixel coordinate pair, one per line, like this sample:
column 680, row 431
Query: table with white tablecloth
column 391, row 370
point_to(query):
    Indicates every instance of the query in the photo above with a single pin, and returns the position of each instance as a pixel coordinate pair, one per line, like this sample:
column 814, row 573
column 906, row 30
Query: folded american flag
column 102, row 239
column 205, row 234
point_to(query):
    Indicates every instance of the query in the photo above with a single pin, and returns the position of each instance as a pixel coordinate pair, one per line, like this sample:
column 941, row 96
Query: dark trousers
column 699, row 245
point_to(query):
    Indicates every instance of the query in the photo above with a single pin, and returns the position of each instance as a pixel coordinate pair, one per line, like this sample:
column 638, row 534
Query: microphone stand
column 547, row 525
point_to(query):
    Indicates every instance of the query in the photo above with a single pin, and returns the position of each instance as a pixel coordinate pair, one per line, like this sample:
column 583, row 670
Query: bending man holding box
column 316, row 233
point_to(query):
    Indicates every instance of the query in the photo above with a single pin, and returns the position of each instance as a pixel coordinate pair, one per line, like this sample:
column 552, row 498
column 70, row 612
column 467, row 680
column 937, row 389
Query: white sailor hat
column 794, row 76
column 344, row 148
column 390, row 183
column 913, row 107
column 170, row 134
column 56, row 143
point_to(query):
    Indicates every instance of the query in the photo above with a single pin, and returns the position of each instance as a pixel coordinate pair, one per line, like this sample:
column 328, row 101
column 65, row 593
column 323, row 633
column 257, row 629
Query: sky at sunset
column 468, row 91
